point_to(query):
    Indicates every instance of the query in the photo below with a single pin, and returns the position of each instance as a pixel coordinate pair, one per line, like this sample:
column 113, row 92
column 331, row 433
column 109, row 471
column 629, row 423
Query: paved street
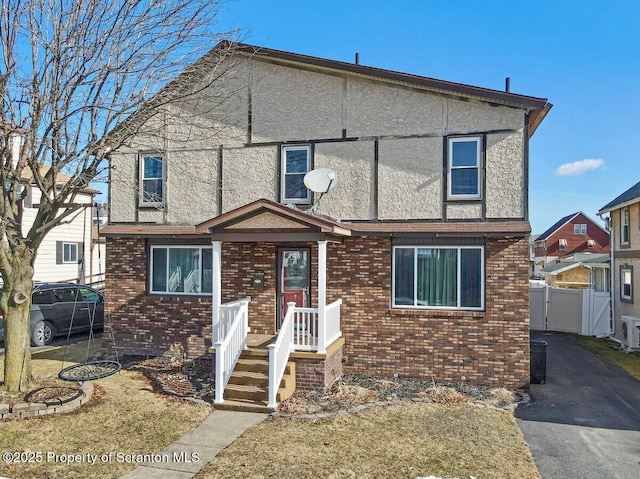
column 585, row 421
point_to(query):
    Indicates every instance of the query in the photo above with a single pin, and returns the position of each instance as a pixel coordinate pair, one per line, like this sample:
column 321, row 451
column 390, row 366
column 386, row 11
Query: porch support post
column 322, row 297
column 216, row 290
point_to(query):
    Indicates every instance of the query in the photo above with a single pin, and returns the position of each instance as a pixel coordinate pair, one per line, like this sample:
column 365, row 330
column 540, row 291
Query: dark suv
column 58, row 307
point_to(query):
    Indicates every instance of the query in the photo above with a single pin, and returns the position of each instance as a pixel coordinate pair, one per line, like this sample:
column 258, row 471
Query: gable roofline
column 537, row 108
column 259, row 206
column 628, row 197
column 563, row 221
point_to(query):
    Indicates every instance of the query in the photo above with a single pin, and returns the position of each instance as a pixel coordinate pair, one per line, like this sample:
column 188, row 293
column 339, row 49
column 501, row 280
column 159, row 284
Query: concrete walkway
column 194, row 450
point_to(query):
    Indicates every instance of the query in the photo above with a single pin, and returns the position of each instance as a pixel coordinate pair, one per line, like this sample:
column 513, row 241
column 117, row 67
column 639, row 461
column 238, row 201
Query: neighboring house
column 624, row 219
column 581, row 270
column 65, row 253
column 415, row 264
column 575, row 233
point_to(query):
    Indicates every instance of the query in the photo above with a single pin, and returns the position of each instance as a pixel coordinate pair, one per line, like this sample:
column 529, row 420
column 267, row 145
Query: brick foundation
column 489, row 347
column 318, row 372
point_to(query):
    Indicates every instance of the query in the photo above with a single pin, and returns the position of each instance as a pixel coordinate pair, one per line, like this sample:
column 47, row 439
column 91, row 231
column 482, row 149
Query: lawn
column 629, row 362
column 124, row 416
column 408, row 440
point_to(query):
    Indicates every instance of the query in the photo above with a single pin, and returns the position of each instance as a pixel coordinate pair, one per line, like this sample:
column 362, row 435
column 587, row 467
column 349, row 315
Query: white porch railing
column 279, row 354
column 309, row 332
column 192, row 282
column 232, row 329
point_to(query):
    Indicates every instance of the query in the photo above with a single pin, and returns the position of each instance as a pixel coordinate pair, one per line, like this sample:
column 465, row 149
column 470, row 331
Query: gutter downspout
column 612, row 323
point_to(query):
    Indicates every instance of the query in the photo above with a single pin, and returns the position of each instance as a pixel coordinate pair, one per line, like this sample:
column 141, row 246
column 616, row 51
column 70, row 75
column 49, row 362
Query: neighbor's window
column 180, row 270
column 151, row 180
column 626, row 283
column 464, row 165
column 438, row 277
column 624, row 226
column 296, row 162
column 69, row 252
column 580, row 229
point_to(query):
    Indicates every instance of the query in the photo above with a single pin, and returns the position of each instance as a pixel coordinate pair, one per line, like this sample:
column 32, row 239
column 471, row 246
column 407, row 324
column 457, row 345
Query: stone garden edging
column 21, row 410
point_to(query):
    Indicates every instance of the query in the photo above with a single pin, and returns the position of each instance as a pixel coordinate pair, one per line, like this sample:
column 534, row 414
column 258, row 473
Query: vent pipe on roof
column 357, row 58
column 507, row 84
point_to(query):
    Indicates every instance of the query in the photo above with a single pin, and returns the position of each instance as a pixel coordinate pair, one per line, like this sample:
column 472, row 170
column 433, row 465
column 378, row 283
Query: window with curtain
column 181, row 270
column 438, row 277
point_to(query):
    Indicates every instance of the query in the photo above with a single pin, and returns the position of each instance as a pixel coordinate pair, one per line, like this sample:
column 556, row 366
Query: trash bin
column 538, row 364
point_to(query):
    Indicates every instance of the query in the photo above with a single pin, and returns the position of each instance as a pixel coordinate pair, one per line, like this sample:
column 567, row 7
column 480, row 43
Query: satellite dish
column 321, row 180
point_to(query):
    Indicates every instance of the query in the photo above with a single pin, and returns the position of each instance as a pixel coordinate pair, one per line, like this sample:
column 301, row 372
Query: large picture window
column 464, row 167
column 438, row 277
column 152, row 180
column 180, row 270
column 296, row 162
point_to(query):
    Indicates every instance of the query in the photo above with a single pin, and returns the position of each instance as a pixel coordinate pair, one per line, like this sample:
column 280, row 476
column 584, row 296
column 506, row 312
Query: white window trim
column 622, row 283
column 415, row 283
column 450, row 141
column 167, row 247
column 623, row 223
column 283, row 174
column 162, row 158
column 74, row 248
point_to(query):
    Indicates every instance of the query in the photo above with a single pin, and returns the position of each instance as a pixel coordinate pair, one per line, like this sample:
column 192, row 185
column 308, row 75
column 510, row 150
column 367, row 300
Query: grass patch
column 406, row 441
column 125, row 416
column 629, row 362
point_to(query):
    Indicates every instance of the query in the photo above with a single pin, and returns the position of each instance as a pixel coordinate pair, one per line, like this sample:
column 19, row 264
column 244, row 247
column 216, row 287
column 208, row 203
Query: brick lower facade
column 489, row 347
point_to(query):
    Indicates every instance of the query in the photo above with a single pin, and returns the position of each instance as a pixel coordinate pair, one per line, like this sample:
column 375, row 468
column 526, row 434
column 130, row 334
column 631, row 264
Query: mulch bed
column 193, row 380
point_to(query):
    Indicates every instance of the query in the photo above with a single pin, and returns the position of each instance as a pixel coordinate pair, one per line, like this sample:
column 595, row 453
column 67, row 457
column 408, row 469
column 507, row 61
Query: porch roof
column 265, row 220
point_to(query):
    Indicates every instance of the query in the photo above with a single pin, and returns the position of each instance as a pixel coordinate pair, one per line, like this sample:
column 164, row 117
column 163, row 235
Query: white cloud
column 578, row 167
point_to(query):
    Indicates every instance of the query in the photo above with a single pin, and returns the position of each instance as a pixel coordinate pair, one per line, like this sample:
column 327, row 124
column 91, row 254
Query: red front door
column 294, row 275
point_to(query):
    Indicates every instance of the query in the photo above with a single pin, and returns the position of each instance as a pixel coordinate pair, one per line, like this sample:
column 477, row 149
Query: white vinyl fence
column 580, row 311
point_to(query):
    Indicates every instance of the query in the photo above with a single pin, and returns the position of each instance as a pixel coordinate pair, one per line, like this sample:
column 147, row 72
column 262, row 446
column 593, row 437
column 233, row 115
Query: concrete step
column 258, row 379
column 257, row 365
column 244, row 406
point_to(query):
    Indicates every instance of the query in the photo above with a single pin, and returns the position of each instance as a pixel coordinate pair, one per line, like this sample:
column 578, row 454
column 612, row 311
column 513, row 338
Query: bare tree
column 70, row 72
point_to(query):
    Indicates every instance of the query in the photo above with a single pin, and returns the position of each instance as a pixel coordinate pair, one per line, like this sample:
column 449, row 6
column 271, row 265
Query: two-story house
column 623, row 216
column 574, row 233
column 415, row 263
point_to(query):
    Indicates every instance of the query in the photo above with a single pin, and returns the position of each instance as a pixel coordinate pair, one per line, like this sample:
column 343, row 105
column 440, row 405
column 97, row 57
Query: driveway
column 585, row 421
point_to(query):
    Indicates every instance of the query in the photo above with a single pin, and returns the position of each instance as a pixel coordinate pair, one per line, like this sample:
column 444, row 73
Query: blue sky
column 583, row 56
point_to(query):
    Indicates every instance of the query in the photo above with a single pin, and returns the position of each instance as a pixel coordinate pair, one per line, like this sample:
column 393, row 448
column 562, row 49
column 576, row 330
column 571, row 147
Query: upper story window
column 580, row 229
column 438, row 277
column 562, row 244
column 464, row 167
column 624, row 226
column 296, row 162
column 152, row 180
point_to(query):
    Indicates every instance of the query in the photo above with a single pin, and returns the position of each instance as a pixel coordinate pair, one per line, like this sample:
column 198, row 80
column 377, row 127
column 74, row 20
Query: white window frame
column 143, row 201
column 623, row 272
column 624, row 226
column 580, row 229
column 168, row 247
column 459, row 278
column 283, row 175
column 450, row 167
column 73, row 248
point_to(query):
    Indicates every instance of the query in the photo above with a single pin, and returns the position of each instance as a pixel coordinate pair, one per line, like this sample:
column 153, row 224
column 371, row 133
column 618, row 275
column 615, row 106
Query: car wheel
column 42, row 333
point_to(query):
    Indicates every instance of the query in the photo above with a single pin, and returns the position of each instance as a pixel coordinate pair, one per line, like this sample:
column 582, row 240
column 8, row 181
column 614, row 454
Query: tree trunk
column 15, row 302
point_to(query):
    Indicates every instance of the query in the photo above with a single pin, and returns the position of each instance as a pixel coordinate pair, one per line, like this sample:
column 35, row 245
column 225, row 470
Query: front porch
column 272, row 253
column 248, row 385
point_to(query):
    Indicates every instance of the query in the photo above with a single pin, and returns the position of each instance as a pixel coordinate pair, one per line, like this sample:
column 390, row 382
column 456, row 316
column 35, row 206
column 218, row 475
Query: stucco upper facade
column 386, row 140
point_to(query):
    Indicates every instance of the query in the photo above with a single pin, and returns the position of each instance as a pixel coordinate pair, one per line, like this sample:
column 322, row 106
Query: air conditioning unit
column 630, row 333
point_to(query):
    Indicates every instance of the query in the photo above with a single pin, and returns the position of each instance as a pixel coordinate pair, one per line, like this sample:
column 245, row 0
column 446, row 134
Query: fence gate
column 579, row 311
